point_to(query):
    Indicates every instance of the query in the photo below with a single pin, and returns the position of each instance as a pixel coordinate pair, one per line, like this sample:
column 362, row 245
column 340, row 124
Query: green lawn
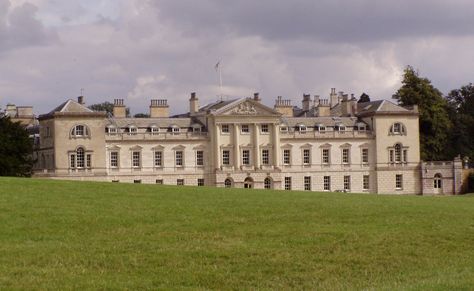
column 79, row 235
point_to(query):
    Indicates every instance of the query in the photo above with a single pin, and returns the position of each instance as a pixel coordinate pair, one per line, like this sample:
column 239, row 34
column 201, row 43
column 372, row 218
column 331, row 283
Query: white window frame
column 226, row 157
column 264, row 128
column 365, row 182
column 398, row 182
column 246, row 159
column 179, row 158
column 200, row 158
column 365, row 156
column 136, row 159
column 225, row 129
column 306, row 157
column 307, row 183
column 325, row 156
column 347, row 183
column 114, row 161
column 158, row 159
column 346, row 156
column 244, row 129
column 265, row 157
column 287, row 183
column 327, row 183
column 286, row 157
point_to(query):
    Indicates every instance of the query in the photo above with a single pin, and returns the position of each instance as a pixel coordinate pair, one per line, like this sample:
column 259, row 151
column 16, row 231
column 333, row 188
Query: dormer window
column 80, row 131
column 154, row 130
column 360, row 126
column 132, row 130
column 398, row 128
column 111, row 130
column 341, row 127
column 301, row 128
column 196, row 128
column 175, row 129
column 320, row 128
column 284, row 128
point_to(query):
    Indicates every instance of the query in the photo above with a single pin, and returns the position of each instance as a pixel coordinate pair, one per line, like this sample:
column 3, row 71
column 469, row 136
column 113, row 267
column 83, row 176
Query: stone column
column 276, row 145
column 236, row 146
column 256, row 146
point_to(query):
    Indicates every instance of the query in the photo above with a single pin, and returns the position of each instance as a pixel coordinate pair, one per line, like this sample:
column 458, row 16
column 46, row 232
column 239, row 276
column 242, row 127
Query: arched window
column 398, row 128
column 248, row 183
column 267, row 183
column 79, row 159
column 438, row 181
column 398, row 154
column 80, row 130
column 228, row 183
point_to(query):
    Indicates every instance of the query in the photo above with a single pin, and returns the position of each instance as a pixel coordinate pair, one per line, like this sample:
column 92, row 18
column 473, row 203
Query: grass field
column 72, row 235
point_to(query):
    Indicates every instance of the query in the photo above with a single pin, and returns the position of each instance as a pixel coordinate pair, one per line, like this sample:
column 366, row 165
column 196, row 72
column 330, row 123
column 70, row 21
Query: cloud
column 19, row 28
column 141, row 50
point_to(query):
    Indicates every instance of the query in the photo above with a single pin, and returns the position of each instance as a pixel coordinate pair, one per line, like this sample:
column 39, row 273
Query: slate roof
column 326, row 121
column 159, row 122
column 380, row 106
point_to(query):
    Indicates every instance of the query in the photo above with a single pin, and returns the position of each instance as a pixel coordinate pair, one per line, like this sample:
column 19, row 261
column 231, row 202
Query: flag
column 217, row 65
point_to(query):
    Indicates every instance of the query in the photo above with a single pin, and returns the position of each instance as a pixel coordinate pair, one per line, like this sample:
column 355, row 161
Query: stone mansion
column 327, row 144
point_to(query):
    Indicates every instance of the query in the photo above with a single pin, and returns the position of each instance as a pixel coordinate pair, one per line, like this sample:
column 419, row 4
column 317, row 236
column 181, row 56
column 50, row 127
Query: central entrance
column 248, row 183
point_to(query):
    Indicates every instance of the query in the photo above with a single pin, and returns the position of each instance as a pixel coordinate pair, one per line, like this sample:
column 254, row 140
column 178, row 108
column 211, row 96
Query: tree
column 107, row 107
column 364, row 98
column 16, row 149
column 434, row 120
column 461, row 113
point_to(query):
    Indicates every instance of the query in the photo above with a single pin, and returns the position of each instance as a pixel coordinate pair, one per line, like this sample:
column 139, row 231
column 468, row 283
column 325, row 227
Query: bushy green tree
column 461, row 113
column 16, row 149
column 434, row 120
column 364, row 98
column 107, row 107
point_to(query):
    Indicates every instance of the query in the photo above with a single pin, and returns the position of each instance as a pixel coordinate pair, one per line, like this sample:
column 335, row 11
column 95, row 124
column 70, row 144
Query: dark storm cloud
column 328, row 20
column 20, row 28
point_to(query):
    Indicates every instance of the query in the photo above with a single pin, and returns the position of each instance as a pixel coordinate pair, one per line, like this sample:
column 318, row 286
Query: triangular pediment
column 246, row 107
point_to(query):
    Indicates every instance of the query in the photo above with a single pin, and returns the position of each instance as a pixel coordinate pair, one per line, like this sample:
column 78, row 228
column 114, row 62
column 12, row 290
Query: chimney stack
column 80, row 100
column 256, row 97
column 193, row 104
column 119, row 109
column 324, row 109
column 333, row 100
column 306, row 102
column 284, row 107
column 159, row 108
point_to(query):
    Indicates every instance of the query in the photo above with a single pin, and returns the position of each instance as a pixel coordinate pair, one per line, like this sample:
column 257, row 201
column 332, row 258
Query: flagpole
column 218, row 68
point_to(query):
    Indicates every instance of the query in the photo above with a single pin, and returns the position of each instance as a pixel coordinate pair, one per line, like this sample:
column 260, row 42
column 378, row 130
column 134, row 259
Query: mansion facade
column 333, row 144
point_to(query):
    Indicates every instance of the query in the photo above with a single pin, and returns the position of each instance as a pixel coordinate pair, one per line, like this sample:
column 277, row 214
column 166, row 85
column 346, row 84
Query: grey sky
column 139, row 50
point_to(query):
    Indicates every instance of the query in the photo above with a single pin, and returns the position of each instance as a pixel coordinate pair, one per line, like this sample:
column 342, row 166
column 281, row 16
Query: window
column 80, row 161
column 306, row 156
column 347, row 183
column 226, row 157
column 345, row 156
column 201, row 182
column 325, row 156
column 265, row 157
column 287, row 183
column 398, row 181
column 137, row 181
column 200, row 158
column 114, row 159
column 159, row 181
column 72, row 159
column 155, row 130
column 178, row 158
column 301, row 128
column 79, row 130
column 132, row 130
column 115, row 181
column 245, row 128
column 267, row 183
column 225, row 128
column 438, row 184
column 180, row 182
column 264, row 128
column 365, row 156
column 398, row 128
column 365, row 182
column 397, row 154
column 284, row 128
column 341, row 128
column 245, row 157
column 327, row 183
column 111, row 130
column 286, row 157
column 175, row 129
column 136, row 159
column 88, row 161
column 320, row 128
column 158, row 159
column 307, row 183
column 228, row 183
